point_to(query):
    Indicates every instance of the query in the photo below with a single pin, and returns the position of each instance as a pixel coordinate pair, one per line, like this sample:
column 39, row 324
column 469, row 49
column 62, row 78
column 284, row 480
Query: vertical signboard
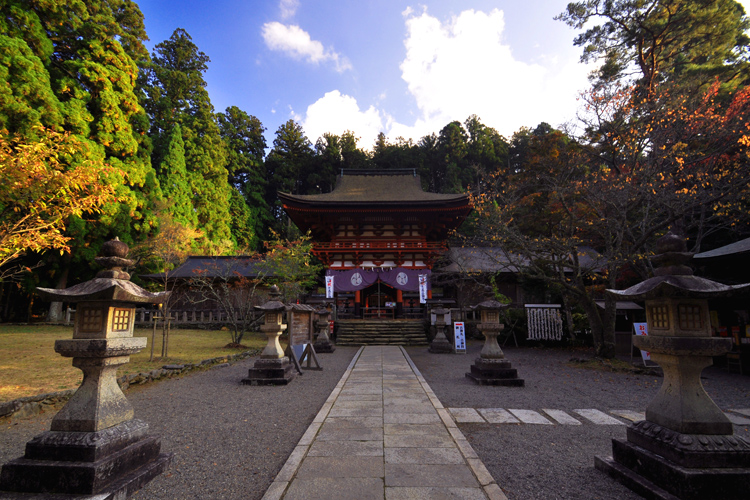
column 642, row 329
column 459, row 337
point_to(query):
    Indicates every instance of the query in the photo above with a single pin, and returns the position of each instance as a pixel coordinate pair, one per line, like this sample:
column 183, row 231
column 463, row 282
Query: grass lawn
column 29, row 364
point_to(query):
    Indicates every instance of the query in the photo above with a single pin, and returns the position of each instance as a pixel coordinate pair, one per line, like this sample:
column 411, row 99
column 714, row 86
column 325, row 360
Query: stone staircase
column 380, row 332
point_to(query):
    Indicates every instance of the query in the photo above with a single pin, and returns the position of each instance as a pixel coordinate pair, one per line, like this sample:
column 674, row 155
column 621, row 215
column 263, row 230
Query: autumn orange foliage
column 42, row 185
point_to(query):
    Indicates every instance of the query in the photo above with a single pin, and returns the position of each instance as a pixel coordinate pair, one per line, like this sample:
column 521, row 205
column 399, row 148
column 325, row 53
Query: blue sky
column 397, row 66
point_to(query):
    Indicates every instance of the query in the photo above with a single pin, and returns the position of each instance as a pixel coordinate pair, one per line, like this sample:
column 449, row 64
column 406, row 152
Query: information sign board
column 642, row 329
column 459, row 337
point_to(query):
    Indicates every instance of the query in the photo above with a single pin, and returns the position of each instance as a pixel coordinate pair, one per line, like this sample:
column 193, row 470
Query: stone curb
column 31, row 405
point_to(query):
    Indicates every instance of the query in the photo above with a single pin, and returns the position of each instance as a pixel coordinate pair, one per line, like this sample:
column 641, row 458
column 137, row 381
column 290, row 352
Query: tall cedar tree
column 287, row 165
column 328, row 163
column 176, row 95
column 243, row 135
column 173, row 178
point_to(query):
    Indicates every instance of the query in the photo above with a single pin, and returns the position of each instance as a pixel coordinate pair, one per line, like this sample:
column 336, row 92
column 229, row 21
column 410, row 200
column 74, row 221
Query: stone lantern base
column 324, row 346
column 270, row 372
column 659, row 463
column 494, row 372
column 110, row 464
column 440, row 345
column 685, row 448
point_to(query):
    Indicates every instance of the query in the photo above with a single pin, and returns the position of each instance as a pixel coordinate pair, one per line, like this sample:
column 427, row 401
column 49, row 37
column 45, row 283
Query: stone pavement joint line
column 383, row 434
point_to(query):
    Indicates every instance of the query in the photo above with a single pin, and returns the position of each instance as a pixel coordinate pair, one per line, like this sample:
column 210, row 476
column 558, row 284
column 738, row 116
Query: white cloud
column 457, row 68
column 296, row 42
column 288, row 8
column 462, row 67
column 336, row 113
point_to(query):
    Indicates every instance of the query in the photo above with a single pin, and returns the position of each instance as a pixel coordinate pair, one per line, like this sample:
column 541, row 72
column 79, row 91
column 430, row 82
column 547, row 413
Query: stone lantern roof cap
column 678, row 286
column 110, row 284
column 674, row 277
column 489, row 301
column 490, row 304
column 104, row 289
column 273, row 304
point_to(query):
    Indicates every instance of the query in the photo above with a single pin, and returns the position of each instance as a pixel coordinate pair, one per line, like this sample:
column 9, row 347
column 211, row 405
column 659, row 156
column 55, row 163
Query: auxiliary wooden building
column 379, row 235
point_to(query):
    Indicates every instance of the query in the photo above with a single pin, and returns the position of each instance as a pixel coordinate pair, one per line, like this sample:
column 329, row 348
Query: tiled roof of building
column 213, row 267
column 383, row 187
column 735, row 248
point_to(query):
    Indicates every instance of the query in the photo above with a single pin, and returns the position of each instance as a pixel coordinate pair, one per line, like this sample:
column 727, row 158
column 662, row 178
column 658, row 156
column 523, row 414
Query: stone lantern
column 491, row 368
column 95, row 446
column 686, row 446
column 272, row 368
column 323, row 342
column 440, row 344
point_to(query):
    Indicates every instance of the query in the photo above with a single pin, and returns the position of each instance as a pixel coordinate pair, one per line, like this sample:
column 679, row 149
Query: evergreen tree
column 690, row 42
column 287, row 165
column 452, row 149
column 487, row 151
column 244, row 221
column 173, row 178
column 402, row 154
column 71, row 66
column 327, row 164
column 353, row 157
column 176, row 95
column 243, row 135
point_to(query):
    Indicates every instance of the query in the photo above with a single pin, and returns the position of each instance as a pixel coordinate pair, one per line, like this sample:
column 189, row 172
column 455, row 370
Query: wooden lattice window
column 92, row 321
column 121, row 320
column 690, row 317
column 660, row 317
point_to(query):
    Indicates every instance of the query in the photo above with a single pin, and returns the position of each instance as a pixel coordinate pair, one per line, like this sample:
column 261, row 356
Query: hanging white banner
column 422, row 288
column 329, row 287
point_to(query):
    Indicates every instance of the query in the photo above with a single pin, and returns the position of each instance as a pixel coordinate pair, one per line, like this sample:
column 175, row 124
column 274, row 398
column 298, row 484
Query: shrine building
column 378, row 234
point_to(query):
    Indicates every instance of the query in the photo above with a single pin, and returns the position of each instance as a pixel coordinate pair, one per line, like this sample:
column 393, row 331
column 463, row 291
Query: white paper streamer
column 544, row 323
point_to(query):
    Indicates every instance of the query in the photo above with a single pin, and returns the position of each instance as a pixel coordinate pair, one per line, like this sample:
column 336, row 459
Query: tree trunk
column 568, row 317
column 602, row 326
column 55, row 314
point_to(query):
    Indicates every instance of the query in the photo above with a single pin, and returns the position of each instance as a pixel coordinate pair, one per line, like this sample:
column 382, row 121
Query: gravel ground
column 230, row 440
column 549, row 462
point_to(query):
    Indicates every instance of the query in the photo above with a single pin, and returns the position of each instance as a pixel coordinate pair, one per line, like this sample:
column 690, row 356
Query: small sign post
column 301, row 337
column 642, row 329
column 459, row 337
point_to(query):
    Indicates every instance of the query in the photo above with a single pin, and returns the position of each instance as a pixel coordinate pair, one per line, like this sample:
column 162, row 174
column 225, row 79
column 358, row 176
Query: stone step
column 380, row 332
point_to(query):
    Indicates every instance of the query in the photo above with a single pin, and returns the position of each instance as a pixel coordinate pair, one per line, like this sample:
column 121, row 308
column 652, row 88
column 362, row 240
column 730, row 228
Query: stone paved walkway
column 382, row 433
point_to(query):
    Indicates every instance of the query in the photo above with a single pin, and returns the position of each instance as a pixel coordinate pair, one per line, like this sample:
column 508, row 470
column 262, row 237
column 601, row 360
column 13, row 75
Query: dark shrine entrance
column 379, row 301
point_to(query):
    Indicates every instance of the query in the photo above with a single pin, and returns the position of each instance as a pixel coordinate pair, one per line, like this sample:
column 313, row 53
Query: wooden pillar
column 357, row 302
column 399, row 303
